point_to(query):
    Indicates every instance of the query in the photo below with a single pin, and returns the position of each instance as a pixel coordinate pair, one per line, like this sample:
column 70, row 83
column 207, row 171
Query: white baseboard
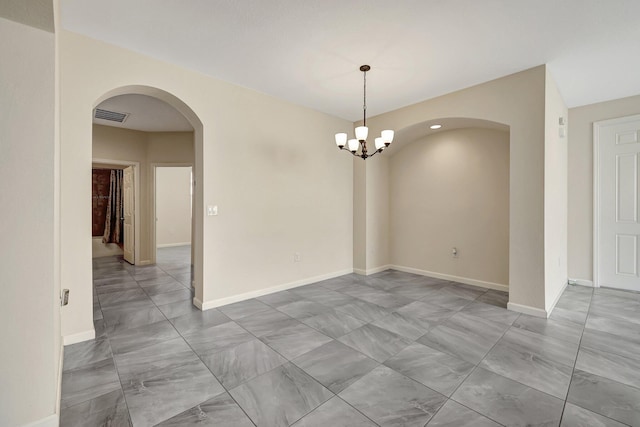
column 465, row 280
column 206, row 305
column 582, row 282
column 171, row 245
column 371, row 270
column 79, row 337
column 144, row 262
column 531, row 311
column 52, row 420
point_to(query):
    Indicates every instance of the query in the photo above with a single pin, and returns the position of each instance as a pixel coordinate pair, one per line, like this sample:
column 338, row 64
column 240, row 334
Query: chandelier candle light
column 381, row 142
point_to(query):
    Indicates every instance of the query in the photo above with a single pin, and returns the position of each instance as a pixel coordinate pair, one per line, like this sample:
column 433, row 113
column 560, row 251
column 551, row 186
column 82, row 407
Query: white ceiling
column 146, row 113
column 308, row 52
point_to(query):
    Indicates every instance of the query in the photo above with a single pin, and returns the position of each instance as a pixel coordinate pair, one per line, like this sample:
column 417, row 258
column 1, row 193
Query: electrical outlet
column 297, row 257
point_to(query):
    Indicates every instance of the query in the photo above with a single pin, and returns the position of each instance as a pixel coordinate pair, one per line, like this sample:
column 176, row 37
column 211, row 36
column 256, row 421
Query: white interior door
column 617, row 150
column 128, row 209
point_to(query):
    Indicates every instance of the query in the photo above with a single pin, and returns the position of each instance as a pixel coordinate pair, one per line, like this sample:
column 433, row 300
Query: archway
column 449, row 201
column 196, row 124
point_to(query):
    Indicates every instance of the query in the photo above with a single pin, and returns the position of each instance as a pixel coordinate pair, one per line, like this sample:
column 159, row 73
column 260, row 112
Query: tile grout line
column 113, row 359
column 450, row 397
column 109, row 339
column 584, row 327
column 573, row 369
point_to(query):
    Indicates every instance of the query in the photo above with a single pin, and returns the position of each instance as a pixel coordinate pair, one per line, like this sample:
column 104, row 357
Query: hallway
column 388, row 349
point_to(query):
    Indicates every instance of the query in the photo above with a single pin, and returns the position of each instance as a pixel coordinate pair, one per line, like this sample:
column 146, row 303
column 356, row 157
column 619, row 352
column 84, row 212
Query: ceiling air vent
column 112, row 116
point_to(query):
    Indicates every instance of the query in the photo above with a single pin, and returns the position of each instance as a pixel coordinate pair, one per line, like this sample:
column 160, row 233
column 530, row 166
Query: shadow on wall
column 449, row 192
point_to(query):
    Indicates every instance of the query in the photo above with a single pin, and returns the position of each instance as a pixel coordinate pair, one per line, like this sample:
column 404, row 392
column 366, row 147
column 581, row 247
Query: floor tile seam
column 228, row 389
column 401, row 374
column 332, row 394
column 356, row 409
column 205, row 365
column 346, row 403
column 257, row 338
column 323, row 333
column 115, row 366
column 597, row 413
column 573, row 370
column 607, row 351
column 313, row 409
column 95, row 340
column 126, row 354
column 521, row 383
column 476, row 367
column 237, row 404
column 543, row 356
column 471, row 409
column 115, row 307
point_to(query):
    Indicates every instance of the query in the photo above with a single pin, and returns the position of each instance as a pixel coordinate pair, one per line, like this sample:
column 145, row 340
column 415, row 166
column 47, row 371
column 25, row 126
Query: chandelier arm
column 351, row 152
column 374, row 153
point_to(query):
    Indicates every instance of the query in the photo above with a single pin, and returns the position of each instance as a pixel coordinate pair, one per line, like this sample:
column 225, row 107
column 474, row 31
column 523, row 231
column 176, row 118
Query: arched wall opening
column 518, row 101
column 147, row 224
column 449, row 201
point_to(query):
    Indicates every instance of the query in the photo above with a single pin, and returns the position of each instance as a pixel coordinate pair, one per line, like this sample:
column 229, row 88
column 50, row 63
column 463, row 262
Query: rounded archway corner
column 411, row 133
column 161, row 94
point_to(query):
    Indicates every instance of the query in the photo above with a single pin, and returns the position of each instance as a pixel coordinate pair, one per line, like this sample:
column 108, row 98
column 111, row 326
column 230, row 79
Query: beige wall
column 147, row 148
column 518, row 101
column 555, row 195
column 580, row 226
column 173, row 206
column 29, row 307
column 359, row 215
column 377, row 203
column 275, row 193
column 451, row 189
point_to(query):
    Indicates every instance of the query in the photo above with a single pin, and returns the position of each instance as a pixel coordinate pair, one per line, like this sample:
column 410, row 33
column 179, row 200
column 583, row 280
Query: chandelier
column 362, row 132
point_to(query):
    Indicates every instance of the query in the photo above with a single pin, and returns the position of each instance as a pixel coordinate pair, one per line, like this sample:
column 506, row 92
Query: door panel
column 128, row 213
column 618, row 187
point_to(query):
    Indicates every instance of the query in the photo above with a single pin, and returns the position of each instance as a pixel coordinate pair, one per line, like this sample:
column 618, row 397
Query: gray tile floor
column 393, row 349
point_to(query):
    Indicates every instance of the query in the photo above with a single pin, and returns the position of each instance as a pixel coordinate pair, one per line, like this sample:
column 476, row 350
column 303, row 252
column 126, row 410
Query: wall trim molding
column 144, row 262
column 171, row 245
column 582, row 282
column 79, row 337
column 206, row 305
column 525, row 309
column 371, row 271
column 465, row 280
column 52, row 420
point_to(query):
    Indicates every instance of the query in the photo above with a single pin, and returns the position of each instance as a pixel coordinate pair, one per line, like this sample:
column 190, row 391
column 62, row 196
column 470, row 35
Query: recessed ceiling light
column 435, row 126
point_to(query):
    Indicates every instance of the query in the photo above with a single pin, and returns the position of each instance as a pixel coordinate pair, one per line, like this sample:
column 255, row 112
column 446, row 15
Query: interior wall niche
column 449, row 192
column 100, row 183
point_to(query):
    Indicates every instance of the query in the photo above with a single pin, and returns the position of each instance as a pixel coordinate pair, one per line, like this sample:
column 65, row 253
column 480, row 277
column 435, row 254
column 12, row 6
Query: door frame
column 154, row 166
column 136, row 200
column 596, row 192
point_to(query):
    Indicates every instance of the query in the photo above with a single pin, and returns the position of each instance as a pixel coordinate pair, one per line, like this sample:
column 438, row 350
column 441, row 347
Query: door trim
column 596, row 192
column 136, row 202
column 154, row 166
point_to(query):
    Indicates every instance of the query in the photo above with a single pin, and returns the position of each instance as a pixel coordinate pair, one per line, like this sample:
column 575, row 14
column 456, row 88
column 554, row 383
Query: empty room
column 337, row 213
